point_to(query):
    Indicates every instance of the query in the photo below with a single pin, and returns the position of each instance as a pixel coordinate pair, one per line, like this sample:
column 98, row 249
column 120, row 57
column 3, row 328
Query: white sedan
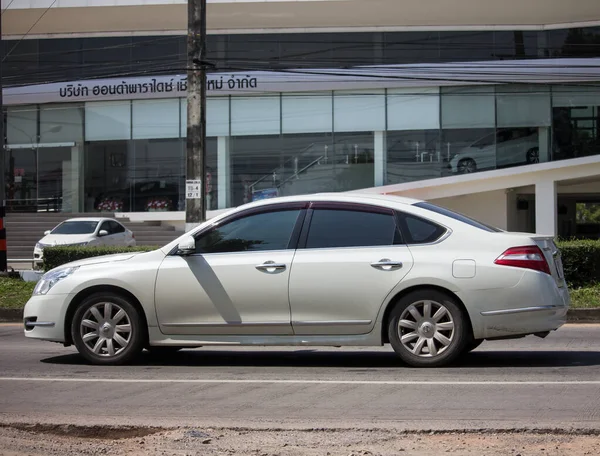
column 84, row 231
column 324, row 270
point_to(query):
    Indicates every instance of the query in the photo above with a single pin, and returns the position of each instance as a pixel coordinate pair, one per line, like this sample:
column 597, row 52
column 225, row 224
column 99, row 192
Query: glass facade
column 130, row 155
column 36, row 61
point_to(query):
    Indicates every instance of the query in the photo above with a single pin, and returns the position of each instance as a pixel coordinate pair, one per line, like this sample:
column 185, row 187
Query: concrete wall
column 487, row 207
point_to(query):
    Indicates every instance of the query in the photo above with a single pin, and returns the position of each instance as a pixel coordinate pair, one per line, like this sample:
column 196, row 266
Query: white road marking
column 301, row 382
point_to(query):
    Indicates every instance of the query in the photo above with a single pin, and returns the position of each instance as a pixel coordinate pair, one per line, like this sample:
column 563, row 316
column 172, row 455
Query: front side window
column 83, row 227
column 258, row 232
column 334, row 228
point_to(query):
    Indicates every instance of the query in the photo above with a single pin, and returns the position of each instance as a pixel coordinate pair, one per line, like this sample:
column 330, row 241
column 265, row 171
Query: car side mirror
column 186, row 246
column 47, row 232
column 102, row 233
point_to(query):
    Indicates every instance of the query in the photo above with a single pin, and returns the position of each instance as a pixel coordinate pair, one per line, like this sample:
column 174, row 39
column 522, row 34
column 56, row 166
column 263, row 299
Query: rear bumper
column 535, row 305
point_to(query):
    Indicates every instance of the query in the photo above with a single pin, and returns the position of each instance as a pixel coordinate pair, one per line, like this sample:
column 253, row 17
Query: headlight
column 39, row 246
column 51, row 278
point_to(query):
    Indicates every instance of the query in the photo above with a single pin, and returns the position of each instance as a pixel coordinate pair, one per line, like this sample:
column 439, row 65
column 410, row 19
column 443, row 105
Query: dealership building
column 488, row 108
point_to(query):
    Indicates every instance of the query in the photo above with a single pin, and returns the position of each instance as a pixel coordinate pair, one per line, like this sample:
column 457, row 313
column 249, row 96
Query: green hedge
column 581, row 261
column 57, row 256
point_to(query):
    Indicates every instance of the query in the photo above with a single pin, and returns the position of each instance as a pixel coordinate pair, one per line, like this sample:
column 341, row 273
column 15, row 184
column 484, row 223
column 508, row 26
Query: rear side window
column 457, row 216
column 419, row 231
column 333, row 228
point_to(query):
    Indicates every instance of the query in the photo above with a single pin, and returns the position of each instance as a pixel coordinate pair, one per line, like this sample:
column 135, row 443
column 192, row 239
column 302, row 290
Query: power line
column 30, row 29
column 8, row 6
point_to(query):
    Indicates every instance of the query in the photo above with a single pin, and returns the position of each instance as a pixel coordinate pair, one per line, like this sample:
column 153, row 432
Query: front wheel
column 107, row 329
column 427, row 329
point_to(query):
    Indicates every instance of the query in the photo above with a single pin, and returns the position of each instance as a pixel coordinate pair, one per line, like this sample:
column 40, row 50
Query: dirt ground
column 63, row 441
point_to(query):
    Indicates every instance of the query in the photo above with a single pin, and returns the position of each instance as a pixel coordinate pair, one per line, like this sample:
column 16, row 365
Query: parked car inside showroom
column 503, row 148
column 325, row 270
column 84, row 231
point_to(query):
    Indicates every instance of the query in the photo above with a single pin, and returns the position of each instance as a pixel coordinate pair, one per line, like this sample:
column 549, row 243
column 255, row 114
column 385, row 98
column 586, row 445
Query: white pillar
column 223, row 172
column 544, row 144
column 545, row 208
column 380, row 158
column 76, row 184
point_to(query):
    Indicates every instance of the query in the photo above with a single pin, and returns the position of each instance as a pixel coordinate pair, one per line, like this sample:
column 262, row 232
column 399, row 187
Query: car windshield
column 79, row 227
column 457, row 216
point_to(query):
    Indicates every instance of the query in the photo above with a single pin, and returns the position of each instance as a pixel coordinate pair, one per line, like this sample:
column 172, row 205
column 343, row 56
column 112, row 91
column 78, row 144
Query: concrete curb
column 573, row 315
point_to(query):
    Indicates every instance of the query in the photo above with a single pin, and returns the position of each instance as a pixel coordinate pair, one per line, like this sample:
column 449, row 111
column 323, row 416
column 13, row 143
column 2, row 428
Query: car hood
column 65, row 239
column 103, row 259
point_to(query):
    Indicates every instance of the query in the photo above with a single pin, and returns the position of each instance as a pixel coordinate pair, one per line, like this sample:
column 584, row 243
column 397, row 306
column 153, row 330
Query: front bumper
column 44, row 317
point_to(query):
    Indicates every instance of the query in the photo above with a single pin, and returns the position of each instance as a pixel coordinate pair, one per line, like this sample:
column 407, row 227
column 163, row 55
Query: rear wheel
column 427, row 329
column 107, row 329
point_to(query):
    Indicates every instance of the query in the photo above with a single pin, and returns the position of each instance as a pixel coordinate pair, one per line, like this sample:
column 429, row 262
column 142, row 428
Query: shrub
column 581, row 261
column 57, row 256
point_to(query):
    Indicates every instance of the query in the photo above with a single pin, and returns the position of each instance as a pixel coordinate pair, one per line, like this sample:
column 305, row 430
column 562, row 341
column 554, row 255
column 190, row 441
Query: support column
column 223, row 172
column 544, row 144
column 76, row 188
column 380, row 158
column 545, row 208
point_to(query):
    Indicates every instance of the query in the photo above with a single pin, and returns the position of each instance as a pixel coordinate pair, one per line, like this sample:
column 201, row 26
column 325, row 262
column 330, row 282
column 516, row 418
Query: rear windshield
column 457, row 216
column 87, row 227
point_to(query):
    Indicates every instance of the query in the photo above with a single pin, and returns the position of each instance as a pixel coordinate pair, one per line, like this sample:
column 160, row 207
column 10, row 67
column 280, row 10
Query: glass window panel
column 307, row 113
column 109, row 176
column 359, row 110
column 255, row 115
column 468, row 107
column 61, row 123
column 523, row 106
column 260, row 232
column 155, row 119
column 21, row 125
column 413, row 109
column 469, row 149
column 107, row 120
column 566, row 96
column 217, row 117
column 411, row 47
column 415, row 155
column 344, row 228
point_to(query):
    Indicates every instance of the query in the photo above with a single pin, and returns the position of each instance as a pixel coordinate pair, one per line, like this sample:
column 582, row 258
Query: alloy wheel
column 426, row 328
column 106, row 329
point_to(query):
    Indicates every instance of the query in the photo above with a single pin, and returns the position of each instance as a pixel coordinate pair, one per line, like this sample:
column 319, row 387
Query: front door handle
column 270, row 266
column 387, row 264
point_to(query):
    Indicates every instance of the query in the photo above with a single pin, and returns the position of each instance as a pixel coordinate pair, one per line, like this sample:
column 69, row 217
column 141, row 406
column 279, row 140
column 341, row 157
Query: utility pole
column 3, row 256
column 195, row 191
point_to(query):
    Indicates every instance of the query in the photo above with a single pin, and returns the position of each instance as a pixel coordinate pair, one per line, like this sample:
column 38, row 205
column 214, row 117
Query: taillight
column 529, row 257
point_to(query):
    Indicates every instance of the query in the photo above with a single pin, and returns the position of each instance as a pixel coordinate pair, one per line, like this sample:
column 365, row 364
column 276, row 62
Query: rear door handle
column 386, row 264
column 270, row 266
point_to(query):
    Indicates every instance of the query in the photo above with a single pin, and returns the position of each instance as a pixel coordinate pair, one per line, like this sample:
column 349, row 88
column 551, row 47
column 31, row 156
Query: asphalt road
column 534, row 383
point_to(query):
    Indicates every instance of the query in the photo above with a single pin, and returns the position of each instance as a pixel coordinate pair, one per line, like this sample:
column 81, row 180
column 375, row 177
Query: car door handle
column 266, row 266
column 387, row 264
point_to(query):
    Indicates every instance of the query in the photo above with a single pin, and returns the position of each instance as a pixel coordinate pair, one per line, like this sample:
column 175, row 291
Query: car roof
column 355, row 197
column 90, row 219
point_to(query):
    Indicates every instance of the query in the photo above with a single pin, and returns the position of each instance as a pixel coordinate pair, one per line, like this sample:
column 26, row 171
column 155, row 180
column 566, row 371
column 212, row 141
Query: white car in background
column 84, row 231
column 506, row 147
column 327, row 269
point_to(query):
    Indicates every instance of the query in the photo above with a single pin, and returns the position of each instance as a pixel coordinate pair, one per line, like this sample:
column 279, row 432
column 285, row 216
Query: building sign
column 546, row 71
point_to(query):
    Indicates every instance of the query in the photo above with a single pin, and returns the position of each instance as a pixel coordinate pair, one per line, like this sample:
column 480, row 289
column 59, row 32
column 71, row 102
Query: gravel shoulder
column 64, row 441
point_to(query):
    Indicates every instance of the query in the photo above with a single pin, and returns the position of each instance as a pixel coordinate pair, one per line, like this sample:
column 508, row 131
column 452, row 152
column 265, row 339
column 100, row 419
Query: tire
column 467, row 166
column 422, row 335
column 470, row 346
column 125, row 337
